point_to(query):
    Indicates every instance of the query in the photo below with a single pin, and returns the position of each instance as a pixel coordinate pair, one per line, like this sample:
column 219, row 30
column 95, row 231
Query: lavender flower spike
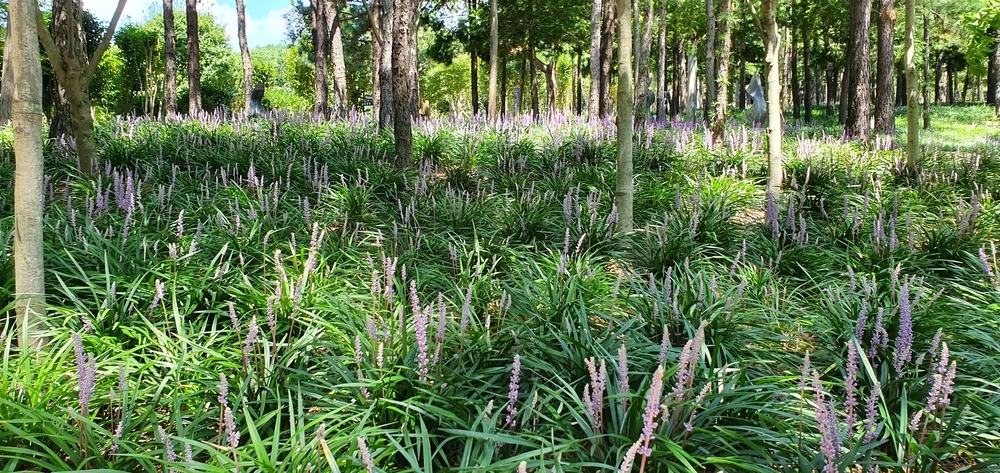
column 652, row 411
column 515, row 379
column 904, row 340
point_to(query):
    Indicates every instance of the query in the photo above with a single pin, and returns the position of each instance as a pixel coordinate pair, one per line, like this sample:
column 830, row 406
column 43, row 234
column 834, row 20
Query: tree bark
column 806, row 65
column 74, row 71
column 170, row 58
column 992, row 73
column 474, row 79
column 241, row 33
column 607, row 56
column 710, row 83
column 912, row 96
column 885, row 123
column 642, row 78
column 624, row 188
column 386, row 109
column 491, row 100
column 593, row 104
column 7, row 81
column 404, row 65
column 927, row 73
column 859, row 109
column 772, row 67
column 29, row 195
column 321, row 53
column 725, row 44
column 533, row 77
column 194, row 67
column 661, row 64
column 340, row 105
column 793, row 47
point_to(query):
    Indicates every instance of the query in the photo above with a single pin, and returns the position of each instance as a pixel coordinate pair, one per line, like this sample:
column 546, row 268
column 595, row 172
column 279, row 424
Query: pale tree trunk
column 806, row 66
column 859, row 109
column 386, row 109
column 321, row 52
column 170, row 58
column 772, row 67
column 624, row 188
column 29, row 195
column 927, row 72
column 793, row 77
column 74, row 71
column 607, row 56
column 6, row 83
column 194, row 57
column 710, row 84
column 642, row 72
column 593, row 104
column 661, row 65
column 884, row 121
column 340, row 107
column 491, row 100
column 241, row 33
column 693, row 87
column 725, row 45
column 912, row 92
column 404, row 64
column 374, row 10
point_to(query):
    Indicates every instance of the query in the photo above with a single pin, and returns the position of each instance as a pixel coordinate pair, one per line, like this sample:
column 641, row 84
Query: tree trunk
column 321, row 51
column 710, row 81
column 859, row 110
column 7, row 82
column 769, row 13
column 950, row 84
column 520, row 92
column 725, row 44
column 386, row 109
column 170, row 58
column 901, row 89
column 624, row 188
column 741, row 101
column 474, row 80
column 793, row 47
column 607, row 56
column 912, row 96
column 74, row 71
column 680, row 78
column 533, row 76
column 374, row 10
column 927, row 72
column 938, row 75
column 503, row 88
column 642, row 78
column 29, row 195
column 404, row 64
column 885, row 123
column 693, row 86
column 992, row 73
column 194, row 68
column 593, row 104
column 491, row 100
column 806, row 65
column 661, row 65
column 241, row 33
column 340, row 107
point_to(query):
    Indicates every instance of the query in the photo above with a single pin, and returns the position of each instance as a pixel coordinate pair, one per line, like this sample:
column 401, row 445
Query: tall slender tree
column 74, row 70
column 193, row 59
column 337, row 62
column 6, row 81
column 912, row 90
column 321, row 53
column 885, row 123
column 170, row 58
column 642, row 78
column 624, row 187
column 661, row 65
column 927, row 73
column 404, row 75
column 607, row 56
column 491, row 100
column 860, row 105
column 593, row 104
column 724, row 42
column 767, row 24
column 241, row 33
column 710, row 84
column 29, row 195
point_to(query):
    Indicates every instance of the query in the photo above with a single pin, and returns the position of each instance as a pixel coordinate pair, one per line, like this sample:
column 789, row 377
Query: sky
column 265, row 24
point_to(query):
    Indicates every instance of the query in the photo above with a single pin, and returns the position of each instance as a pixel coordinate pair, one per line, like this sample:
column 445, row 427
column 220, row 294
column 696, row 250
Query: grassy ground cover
column 274, row 295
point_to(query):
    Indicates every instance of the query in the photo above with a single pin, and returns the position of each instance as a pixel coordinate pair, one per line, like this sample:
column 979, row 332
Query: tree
column 860, row 103
column 913, row 93
column 491, row 100
column 724, row 43
column 884, row 121
column 386, row 109
column 74, row 71
column 337, row 60
column 321, row 51
column 767, row 24
column 624, row 187
column 29, row 196
column 710, row 84
column 7, row 82
column 593, row 105
column 170, row 56
column 193, row 56
column 241, row 33
column 404, row 75
column 642, row 79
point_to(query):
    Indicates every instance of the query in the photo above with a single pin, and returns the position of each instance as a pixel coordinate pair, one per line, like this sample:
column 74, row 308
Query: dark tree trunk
column 793, row 44
column 522, row 90
column 642, row 79
column 578, row 79
column 321, row 53
column 386, row 109
column 806, row 66
column 404, row 65
column 194, row 67
column 170, row 58
column 661, row 66
column 950, row 84
column 710, row 79
column 859, row 110
column 607, row 56
column 900, row 86
column 241, row 29
column 533, row 76
column 885, row 123
column 474, row 80
column 992, row 74
column 503, row 87
column 7, row 82
column 742, row 100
